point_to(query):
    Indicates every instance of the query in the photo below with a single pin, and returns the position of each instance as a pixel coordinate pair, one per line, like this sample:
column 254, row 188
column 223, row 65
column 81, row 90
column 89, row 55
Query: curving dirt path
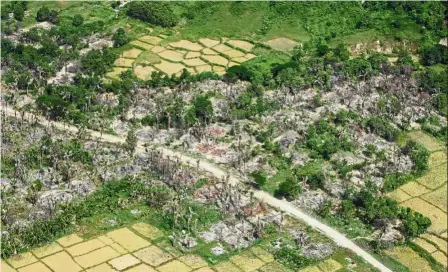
column 218, row 172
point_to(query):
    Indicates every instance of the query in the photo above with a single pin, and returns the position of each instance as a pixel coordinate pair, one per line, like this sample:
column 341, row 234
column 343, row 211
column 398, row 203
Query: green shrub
column 371, row 207
column 46, row 14
column 260, row 177
column 77, row 20
column 289, row 188
column 98, row 62
column 357, row 67
column 440, row 102
column 382, row 127
column 419, row 156
column 432, row 55
column 156, row 13
column 148, row 120
column 393, row 181
column 312, row 173
column 292, row 258
column 120, row 38
column 203, row 108
column 324, row 140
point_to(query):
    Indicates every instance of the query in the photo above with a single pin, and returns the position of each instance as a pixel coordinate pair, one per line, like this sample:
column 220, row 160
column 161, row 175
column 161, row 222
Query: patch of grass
column 217, row 20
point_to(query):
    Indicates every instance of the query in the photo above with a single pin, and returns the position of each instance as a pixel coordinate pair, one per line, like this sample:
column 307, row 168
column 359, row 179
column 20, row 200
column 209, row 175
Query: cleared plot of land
column 221, row 48
column 208, row 42
column 441, row 244
column 147, row 230
column 249, row 56
column 102, row 268
column 282, row 44
column 246, row 46
column 414, row 189
column 435, row 177
column 106, row 253
column 151, row 40
column 437, row 158
column 193, row 261
column 226, row 267
column 438, row 218
column 122, row 62
column 441, row 258
column 399, row 195
column 124, row 262
column 429, row 142
column 219, row 70
column 5, row 267
column 274, row 267
column 232, row 64
column 438, row 198
column 329, row 265
column 174, row 266
column 192, row 55
column 47, row 250
column 131, row 53
column 203, row 68
column 171, row 55
column 208, row 51
column 196, row 56
column 194, row 62
column 310, row 269
column 32, row 268
column 239, row 59
column 233, row 53
column 142, row 45
column 85, row 247
column 143, row 72
column 128, row 239
column 409, row 258
column 147, row 58
column 425, row 245
column 187, row 45
column 169, row 68
column 141, row 268
column 247, row 261
column 61, row 262
column 216, row 60
column 157, row 49
column 118, row 248
column 73, row 238
column 153, row 256
column 23, row 259
column 116, row 72
column 262, row 254
column 97, row 257
column 191, row 70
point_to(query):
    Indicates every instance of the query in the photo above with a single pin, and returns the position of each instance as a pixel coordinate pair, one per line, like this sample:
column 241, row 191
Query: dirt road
column 218, row 172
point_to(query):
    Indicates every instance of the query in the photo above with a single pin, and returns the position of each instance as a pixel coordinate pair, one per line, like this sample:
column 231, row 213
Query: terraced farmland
column 136, row 248
column 427, row 195
column 152, row 53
